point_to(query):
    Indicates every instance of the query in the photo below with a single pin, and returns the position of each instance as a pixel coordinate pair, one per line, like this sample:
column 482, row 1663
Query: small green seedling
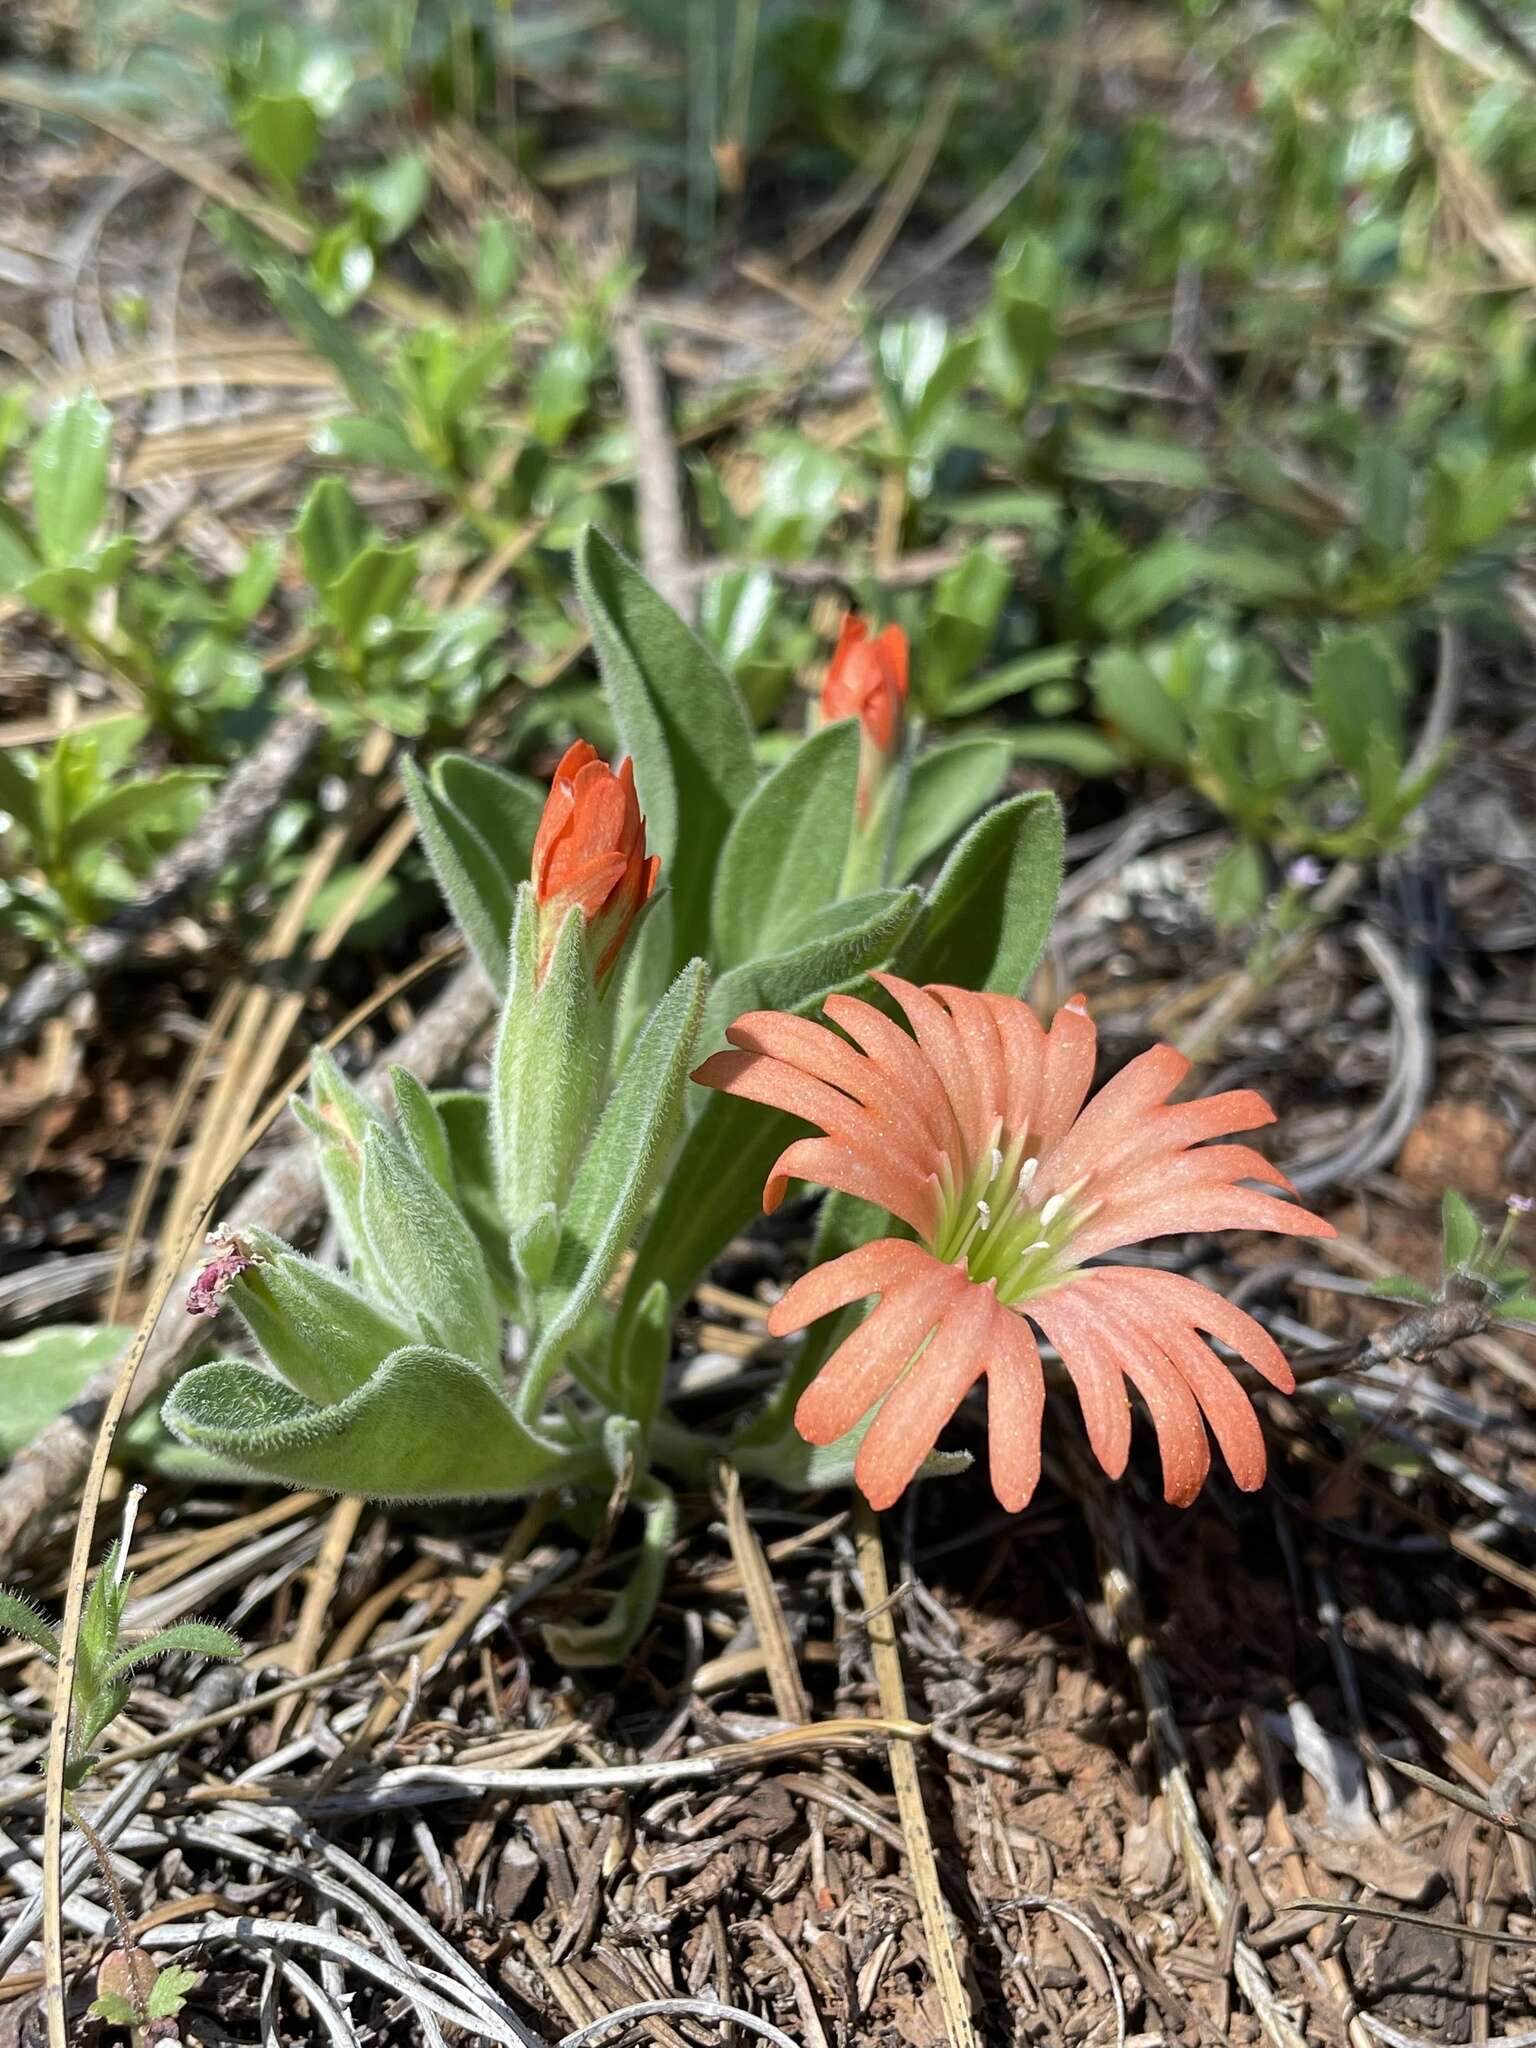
column 133, row 1992
column 1475, row 1264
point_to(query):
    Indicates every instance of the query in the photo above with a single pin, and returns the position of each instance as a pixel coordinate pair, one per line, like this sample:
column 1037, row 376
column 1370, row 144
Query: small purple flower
column 1520, row 1205
column 1305, row 871
column 205, row 1297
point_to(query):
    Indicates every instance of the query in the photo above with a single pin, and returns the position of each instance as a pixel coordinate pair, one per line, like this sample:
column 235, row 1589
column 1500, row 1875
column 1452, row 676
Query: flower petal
column 868, row 1269
column 1225, row 1406
column 940, row 1039
column 1180, row 1210
column 1117, row 1118
column 1015, row 1408
column 812, row 1049
column 899, row 1056
column 868, row 1363
column 918, row 1406
column 757, row 1077
column 1022, row 1039
column 982, row 1047
column 1182, row 1443
column 838, row 1163
column 1171, row 1298
column 1071, row 1047
column 1069, row 1319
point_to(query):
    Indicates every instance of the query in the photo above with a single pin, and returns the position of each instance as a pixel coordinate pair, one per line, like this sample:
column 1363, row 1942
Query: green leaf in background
column 42, row 1372
column 364, row 601
column 1358, row 688
column 1384, row 486
column 801, row 486
column 330, row 530
column 619, row 1173
column 280, row 132
column 69, row 478
column 1130, row 697
column 680, row 719
column 426, row 1426
column 1237, row 885
column 783, row 856
column 277, row 274
column 947, row 787
column 963, row 617
column 988, row 915
column 1014, row 679
column 1461, row 1233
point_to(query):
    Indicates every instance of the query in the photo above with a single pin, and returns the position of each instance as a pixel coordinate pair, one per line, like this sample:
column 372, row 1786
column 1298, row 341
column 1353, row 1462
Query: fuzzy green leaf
column 18, row 1617
column 681, row 720
column 837, row 946
column 474, row 883
column 183, row 1638
column 422, row 1128
column 323, row 1334
column 945, row 791
column 546, row 1067
column 620, row 1171
column 783, row 856
column 989, row 913
column 427, row 1426
column 426, row 1257
column 640, row 1359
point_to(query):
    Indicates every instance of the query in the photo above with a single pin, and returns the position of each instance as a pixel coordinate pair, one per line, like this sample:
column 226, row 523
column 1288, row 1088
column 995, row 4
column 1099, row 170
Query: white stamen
column 1027, row 1174
column 1052, row 1210
column 984, row 1211
column 1041, row 1244
column 996, row 1162
column 130, row 1514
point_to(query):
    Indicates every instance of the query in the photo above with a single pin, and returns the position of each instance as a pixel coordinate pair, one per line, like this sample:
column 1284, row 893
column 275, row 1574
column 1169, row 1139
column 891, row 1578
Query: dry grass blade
column 784, row 1680
column 69, row 1634
column 1123, row 1599
column 677, row 2008
column 909, row 1790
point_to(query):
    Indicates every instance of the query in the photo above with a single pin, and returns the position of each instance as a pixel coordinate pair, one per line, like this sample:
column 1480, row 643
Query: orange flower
column 590, row 854
column 971, row 1129
column 867, row 680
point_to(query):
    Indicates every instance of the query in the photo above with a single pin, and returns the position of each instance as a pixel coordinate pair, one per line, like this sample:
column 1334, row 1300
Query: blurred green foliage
column 1227, row 410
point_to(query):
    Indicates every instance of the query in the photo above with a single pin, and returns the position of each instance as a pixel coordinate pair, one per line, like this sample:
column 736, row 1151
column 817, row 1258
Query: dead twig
column 658, row 493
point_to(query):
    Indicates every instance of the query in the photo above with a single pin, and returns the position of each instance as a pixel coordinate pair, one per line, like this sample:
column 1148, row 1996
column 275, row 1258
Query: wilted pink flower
column 205, row 1297
column 971, row 1129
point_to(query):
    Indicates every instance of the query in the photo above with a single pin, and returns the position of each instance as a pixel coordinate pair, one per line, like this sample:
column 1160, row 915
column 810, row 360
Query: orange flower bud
column 590, row 855
column 867, row 680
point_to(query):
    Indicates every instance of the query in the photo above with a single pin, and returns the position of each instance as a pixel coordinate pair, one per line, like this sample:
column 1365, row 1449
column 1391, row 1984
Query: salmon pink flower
column 590, row 855
column 970, row 1128
column 867, row 680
